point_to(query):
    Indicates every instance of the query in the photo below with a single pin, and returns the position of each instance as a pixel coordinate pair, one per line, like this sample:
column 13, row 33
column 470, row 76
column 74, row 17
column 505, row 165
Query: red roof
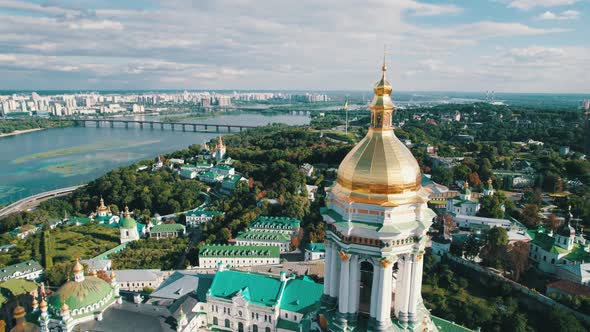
column 572, row 288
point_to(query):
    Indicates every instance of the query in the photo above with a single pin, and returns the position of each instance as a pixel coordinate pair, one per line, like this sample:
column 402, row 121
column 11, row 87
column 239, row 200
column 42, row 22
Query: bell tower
column 376, row 223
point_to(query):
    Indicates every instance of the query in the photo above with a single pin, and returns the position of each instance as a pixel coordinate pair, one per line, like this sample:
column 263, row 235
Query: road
column 32, row 201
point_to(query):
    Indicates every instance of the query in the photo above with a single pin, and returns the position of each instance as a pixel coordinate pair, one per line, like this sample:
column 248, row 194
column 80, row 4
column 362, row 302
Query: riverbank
column 19, row 132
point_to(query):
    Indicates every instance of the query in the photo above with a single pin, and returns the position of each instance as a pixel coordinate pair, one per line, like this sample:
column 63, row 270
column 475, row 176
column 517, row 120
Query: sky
column 449, row 45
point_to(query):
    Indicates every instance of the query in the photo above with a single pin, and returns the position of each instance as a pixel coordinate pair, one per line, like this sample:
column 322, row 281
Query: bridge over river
column 34, row 200
column 184, row 126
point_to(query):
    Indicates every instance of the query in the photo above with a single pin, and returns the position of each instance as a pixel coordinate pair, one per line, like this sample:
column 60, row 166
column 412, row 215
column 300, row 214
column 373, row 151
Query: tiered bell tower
column 376, row 223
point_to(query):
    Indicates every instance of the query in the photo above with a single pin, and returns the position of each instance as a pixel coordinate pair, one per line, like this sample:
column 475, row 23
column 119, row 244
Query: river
column 55, row 158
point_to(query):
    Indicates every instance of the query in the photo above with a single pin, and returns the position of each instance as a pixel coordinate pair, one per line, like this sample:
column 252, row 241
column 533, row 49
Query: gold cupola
column 379, row 169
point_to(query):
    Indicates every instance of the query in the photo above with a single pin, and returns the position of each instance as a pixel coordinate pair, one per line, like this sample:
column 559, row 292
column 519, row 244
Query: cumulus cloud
column 564, row 15
column 331, row 44
column 530, row 4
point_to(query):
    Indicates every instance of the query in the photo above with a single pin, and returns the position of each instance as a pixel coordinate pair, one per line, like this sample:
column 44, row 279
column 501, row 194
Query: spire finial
column 384, row 67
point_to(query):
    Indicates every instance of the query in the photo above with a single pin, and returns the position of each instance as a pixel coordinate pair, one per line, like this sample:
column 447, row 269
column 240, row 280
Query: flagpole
column 346, row 110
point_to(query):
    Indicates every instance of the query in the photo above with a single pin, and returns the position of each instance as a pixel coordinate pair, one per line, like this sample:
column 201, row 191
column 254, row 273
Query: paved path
column 32, row 201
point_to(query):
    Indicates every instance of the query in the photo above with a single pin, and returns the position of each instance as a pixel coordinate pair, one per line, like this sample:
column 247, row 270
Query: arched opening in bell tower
column 366, row 284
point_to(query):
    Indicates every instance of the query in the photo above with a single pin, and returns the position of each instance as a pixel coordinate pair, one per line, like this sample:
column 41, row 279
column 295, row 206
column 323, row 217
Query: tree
column 551, row 223
column 517, row 258
column 494, row 250
column 530, row 215
column 532, row 196
column 491, row 207
column 442, row 175
column 473, row 179
column 471, row 247
column 457, row 249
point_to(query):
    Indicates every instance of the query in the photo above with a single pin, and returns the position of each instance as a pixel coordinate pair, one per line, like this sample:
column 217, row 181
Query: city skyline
column 503, row 45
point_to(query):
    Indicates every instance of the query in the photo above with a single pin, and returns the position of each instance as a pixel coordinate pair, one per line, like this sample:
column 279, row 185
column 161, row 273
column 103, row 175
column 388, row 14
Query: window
column 227, row 323
column 267, row 329
column 240, row 313
column 240, row 327
column 254, row 328
column 215, row 322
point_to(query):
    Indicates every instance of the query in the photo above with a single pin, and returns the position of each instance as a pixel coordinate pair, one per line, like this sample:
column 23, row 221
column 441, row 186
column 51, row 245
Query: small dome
column 19, row 312
column 43, row 304
column 127, row 222
column 77, row 295
column 78, row 267
column 465, row 190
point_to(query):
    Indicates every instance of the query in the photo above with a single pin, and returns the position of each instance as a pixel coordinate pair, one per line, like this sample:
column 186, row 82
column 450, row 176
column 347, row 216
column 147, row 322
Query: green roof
column 232, row 178
column 464, row 201
column 446, row 326
column 256, row 288
column 578, row 254
column 302, row 295
column 316, row 247
column 208, row 174
column 263, row 236
column 234, row 251
column 288, row 325
column 80, row 220
column 167, row 228
column 103, row 219
column 375, row 227
column 223, row 167
column 19, row 286
column 544, row 241
column 127, row 223
column 199, row 213
column 24, row 267
column 186, row 172
column 80, row 294
column 106, row 254
column 275, row 222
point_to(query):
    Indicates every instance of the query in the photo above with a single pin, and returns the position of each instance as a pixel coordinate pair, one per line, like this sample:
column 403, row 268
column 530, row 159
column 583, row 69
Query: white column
column 416, row 288
column 384, row 313
column 335, row 272
column 399, row 285
column 327, row 268
column 344, row 286
column 353, row 284
column 404, row 305
column 375, row 290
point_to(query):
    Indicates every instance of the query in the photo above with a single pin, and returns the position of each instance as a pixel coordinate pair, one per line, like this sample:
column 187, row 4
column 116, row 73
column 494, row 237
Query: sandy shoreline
column 18, row 132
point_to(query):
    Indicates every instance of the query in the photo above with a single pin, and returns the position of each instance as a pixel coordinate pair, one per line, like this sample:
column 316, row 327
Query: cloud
column 530, row 4
column 564, row 15
column 331, row 44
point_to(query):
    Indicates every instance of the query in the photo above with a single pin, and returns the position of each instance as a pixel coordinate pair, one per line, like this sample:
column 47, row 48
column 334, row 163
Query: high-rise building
column 376, row 223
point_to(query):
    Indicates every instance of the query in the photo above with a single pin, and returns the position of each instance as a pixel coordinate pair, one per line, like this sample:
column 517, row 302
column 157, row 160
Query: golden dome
column 380, row 166
column 78, row 267
column 43, row 304
column 64, row 307
column 102, row 207
column 19, row 312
